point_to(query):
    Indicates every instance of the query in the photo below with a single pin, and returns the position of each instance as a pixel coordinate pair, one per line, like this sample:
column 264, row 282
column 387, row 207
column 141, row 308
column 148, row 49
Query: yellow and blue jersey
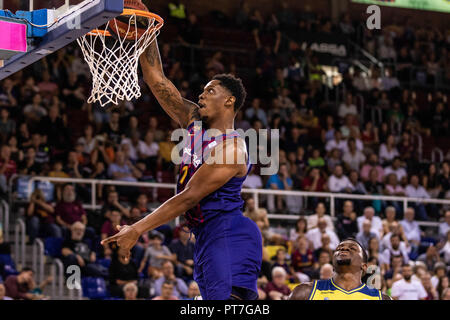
column 328, row 290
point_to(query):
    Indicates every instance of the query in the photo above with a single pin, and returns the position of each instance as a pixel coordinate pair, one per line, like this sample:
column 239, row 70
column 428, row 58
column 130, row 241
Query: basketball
column 121, row 27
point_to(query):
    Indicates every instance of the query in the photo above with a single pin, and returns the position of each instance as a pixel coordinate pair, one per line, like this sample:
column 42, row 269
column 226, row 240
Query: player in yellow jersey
column 350, row 264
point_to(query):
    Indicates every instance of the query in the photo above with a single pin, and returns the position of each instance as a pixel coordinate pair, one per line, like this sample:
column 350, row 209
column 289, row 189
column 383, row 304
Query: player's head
column 350, row 255
column 223, row 95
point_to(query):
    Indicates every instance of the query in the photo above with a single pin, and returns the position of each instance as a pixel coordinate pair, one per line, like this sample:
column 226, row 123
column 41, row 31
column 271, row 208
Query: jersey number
column 184, row 172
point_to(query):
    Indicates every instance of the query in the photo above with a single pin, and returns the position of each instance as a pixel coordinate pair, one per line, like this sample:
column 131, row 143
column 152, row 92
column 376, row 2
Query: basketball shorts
column 228, row 257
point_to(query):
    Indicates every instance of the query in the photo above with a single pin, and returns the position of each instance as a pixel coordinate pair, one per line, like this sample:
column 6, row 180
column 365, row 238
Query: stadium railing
column 256, row 193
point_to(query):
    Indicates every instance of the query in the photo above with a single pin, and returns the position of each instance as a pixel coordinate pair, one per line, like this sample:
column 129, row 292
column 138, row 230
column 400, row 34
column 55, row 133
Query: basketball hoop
column 113, row 60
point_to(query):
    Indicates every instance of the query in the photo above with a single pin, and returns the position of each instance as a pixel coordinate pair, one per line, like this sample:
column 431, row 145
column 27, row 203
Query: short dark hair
column 365, row 256
column 235, row 86
column 26, row 269
column 169, row 282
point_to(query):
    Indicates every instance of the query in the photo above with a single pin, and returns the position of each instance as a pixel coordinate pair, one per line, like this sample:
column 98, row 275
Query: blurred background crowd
column 371, row 130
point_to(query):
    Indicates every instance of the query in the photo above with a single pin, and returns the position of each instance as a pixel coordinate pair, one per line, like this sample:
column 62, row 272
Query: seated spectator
column 439, row 270
column 373, row 248
column 112, row 203
column 353, row 158
column 88, row 141
column 8, row 167
column 111, row 130
column 35, row 111
column 395, row 250
column 7, row 125
column 315, row 235
column 134, row 144
column 302, row 260
column 445, row 250
column 18, row 287
column 347, row 107
column 338, row 182
column 183, row 249
column 135, row 216
column 372, row 163
column 255, row 112
column 122, row 169
column 325, row 245
column 444, row 226
column 369, row 214
column 320, row 212
column 121, row 272
column 406, row 288
column 76, row 251
column 156, row 253
column 130, row 291
column 193, row 291
column 323, row 259
column 366, row 233
column 41, row 216
column 395, row 228
column 430, row 258
column 444, row 179
column 387, row 222
column 253, row 180
column 148, row 150
column 392, row 270
column 388, row 151
column 431, row 291
column 372, row 185
column 414, row 190
column 3, row 292
column 109, row 228
column 69, row 210
column 358, row 185
column 346, row 225
column 316, row 160
column 180, row 288
column 369, row 136
column 411, row 229
column 42, row 149
column 142, row 204
column 348, row 127
column 280, row 181
column 392, row 188
column 277, row 289
column 396, row 168
column 431, row 181
column 167, row 290
column 326, row 272
column 314, row 181
column 334, row 159
column 337, row 143
column 301, row 227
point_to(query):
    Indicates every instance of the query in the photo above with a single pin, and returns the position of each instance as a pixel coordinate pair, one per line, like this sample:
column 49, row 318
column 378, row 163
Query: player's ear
column 364, row 268
column 230, row 101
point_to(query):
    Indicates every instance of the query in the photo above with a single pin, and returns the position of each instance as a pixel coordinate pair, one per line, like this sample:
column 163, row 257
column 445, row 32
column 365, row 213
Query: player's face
column 348, row 253
column 213, row 101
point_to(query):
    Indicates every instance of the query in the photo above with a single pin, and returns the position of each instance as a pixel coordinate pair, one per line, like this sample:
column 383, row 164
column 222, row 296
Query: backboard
column 64, row 20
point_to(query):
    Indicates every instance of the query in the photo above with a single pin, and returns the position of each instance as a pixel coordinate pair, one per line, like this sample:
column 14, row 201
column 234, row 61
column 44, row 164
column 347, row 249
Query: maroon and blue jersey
column 222, row 201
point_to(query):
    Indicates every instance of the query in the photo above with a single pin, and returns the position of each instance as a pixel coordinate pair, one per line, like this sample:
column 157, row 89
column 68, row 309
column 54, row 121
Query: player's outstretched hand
column 126, row 238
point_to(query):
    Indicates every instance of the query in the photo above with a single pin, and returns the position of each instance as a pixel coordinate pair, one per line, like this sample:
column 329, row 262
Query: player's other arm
column 206, row 180
column 302, row 291
column 179, row 109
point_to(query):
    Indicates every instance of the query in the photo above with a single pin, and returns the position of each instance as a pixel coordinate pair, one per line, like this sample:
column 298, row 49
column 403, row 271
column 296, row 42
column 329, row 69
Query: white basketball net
column 114, row 62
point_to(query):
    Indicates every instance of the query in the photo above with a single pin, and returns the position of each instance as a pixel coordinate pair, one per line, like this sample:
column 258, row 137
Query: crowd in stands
column 47, row 128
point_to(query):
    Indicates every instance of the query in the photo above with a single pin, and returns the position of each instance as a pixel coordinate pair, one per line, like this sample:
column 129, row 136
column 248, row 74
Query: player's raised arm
column 179, row 109
column 207, row 179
